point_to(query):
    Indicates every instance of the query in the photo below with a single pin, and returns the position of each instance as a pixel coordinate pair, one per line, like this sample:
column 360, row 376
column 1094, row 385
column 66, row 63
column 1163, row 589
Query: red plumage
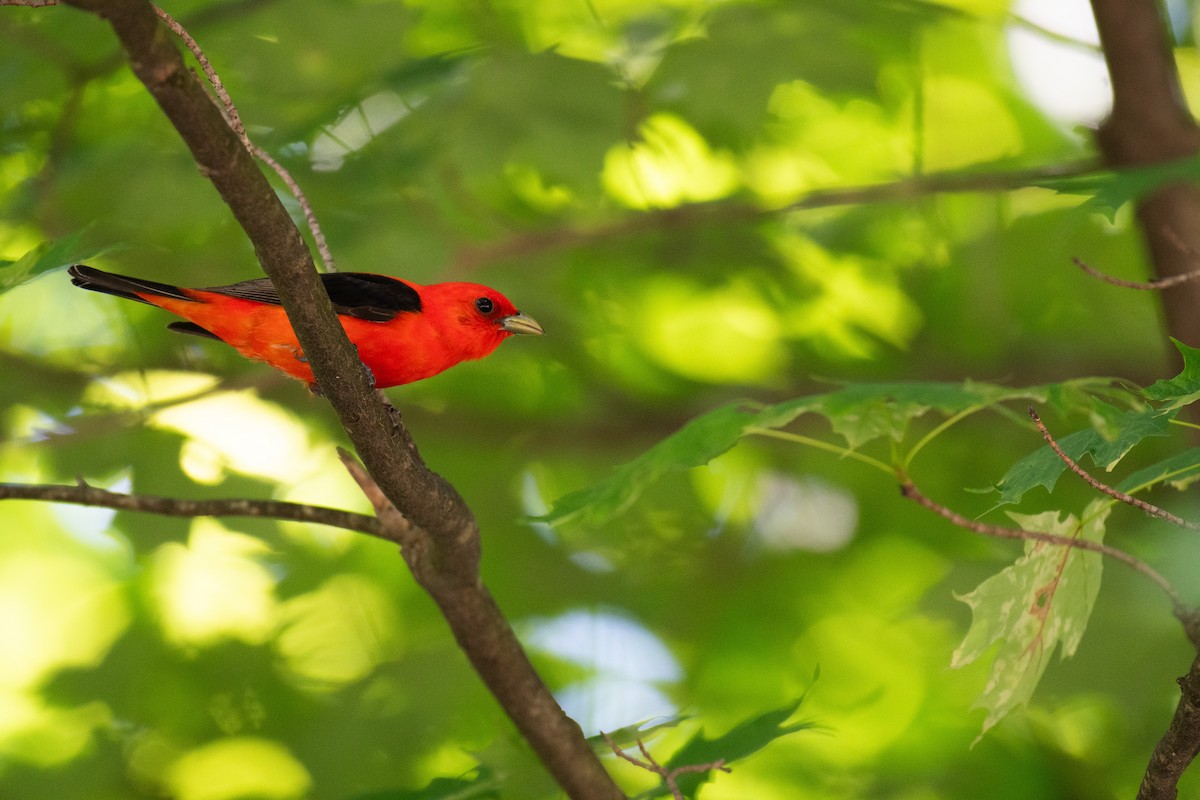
column 404, row 331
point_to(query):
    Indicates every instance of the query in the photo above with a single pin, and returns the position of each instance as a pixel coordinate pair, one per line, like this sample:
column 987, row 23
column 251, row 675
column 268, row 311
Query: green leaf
column 49, row 256
column 43, row 258
column 865, row 412
column 1184, row 388
column 1043, row 467
column 861, row 413
column 693, row 445
column 1041, row 601
column 1180, row 470
column 1110, row 190
column 741, row 741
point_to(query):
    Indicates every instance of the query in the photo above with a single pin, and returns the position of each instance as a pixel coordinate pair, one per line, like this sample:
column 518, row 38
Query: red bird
column 404, row 332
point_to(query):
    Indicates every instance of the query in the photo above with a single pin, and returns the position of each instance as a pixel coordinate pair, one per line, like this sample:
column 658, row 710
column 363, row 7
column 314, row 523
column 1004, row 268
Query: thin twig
column 85, row 495
column 396, row 525
column 669, row 775
column 908, row 489
column 1116, row 494
column 235, row 123
column 310, row 216
column 1156, row 284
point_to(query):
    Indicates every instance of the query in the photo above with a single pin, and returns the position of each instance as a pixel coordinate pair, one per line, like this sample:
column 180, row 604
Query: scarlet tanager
column 404, row 331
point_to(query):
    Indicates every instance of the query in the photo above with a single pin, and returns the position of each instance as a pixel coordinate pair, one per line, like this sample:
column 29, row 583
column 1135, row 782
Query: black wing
column 376, row 298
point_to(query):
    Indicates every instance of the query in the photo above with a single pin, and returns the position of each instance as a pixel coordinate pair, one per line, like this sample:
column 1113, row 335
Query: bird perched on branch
column 404, row 331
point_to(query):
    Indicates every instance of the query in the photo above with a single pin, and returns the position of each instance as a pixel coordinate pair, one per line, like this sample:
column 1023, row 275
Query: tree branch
column 1150, row 123
column 1157, row 284
column 1104, row 488
column 1182, row 610
column 485, row 636
column 234, row 119
column 669, row 775
column 1178, row 746
column 85, row 495
column 447, row 532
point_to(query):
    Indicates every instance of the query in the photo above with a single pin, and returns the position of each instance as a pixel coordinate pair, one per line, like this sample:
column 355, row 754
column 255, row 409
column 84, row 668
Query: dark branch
column 85, row 495
column 1178, row 746
column 1150, row 123
column 489, row 642
column 445, row 535
column 235, row 122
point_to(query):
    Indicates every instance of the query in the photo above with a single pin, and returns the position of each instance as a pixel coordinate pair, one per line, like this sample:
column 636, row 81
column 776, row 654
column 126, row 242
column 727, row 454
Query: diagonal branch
column 447, row 530
column 235, row 122
column 1104, row 488
column 479, row 627
column 1178, row 746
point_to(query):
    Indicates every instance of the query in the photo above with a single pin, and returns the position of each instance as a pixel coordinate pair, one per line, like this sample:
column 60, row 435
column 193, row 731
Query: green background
column 623, row 170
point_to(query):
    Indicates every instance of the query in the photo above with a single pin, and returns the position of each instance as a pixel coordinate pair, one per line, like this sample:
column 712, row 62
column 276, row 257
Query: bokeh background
column 654, row 182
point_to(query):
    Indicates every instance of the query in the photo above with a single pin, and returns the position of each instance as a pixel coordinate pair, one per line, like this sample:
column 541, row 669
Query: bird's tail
column 98, row 280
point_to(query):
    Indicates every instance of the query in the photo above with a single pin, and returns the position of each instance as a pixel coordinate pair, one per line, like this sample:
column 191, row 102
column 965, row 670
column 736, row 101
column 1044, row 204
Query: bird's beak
column 521, row 324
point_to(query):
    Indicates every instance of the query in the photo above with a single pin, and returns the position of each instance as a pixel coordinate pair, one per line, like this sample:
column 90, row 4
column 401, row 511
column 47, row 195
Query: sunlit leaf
column 1043, row 600
column 61, row 252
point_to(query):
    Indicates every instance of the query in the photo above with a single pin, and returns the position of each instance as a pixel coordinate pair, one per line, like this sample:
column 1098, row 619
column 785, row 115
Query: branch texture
column 1178, row 746
column 84, row 495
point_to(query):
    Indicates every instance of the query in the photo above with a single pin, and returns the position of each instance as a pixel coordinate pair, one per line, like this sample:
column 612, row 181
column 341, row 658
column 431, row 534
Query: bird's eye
column 485, row 305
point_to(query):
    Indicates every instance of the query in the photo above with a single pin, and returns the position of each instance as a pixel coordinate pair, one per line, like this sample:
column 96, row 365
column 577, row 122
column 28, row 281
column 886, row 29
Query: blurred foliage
column 639, row 176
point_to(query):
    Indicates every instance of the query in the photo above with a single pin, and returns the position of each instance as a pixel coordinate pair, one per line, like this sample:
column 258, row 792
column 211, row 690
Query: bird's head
column 477, row 318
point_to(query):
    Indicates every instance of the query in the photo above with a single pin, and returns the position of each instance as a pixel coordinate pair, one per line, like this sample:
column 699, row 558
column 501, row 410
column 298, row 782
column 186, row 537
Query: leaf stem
column 808, row 441
column 937, row 431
